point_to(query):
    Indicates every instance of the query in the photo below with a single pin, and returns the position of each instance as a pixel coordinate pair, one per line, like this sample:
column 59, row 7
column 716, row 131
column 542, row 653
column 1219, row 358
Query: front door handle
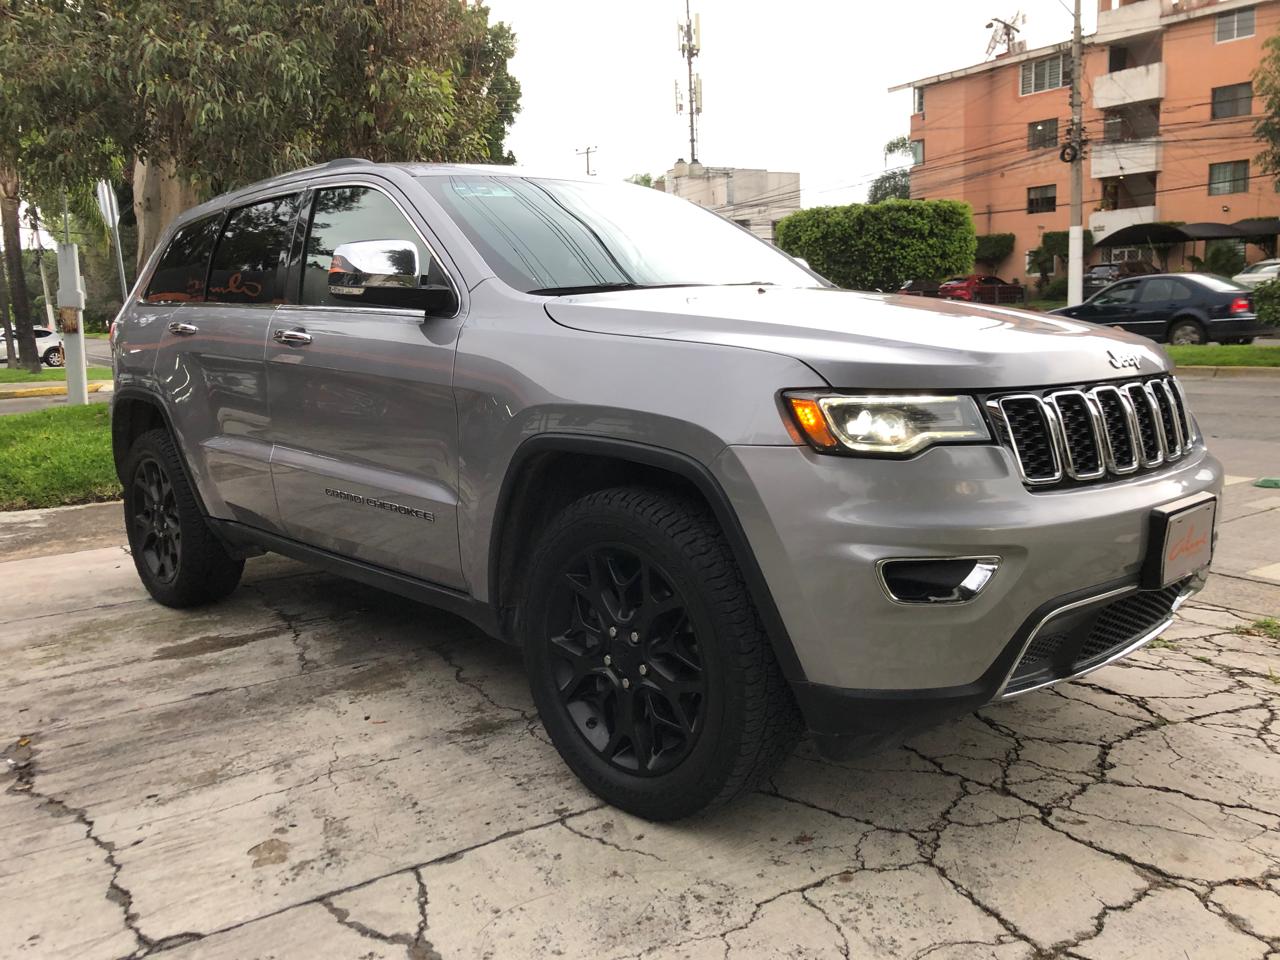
column 180, row 329
column 292, row 338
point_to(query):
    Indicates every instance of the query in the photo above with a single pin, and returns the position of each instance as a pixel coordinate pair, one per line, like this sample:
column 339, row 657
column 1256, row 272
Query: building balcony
column 1135, row 85
column 1128, row 20
column 1120, row 157
column 1105, row 222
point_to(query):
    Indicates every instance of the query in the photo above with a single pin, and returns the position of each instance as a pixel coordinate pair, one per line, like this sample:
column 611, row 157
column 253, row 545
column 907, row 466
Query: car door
column 1158, row 299
column 1113, row 306
column 362, row 409
column 217, row 284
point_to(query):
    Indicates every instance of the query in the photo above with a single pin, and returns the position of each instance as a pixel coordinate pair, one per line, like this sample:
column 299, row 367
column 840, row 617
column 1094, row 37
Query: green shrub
column 1057, row 243
column 1223, row 257
column 1055, row 289
column 882, row 246
column 1266, row 300
column 993, row 248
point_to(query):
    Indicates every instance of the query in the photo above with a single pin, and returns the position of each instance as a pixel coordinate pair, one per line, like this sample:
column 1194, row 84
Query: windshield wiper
column 602, row 288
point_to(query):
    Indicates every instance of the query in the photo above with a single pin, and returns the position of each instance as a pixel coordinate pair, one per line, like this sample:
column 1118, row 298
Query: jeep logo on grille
column 1122, row 360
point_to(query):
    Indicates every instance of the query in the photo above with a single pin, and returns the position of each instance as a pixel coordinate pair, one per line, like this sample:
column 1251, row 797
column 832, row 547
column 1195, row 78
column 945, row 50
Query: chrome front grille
column 1093, row 433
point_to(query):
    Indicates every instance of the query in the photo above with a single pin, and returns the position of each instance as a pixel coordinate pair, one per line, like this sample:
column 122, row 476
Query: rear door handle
column 180, row 329
column 292, row 338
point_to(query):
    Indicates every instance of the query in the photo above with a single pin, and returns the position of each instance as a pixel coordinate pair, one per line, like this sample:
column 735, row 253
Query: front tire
column 647, row 661
column 177, row 556
column 1187, row 331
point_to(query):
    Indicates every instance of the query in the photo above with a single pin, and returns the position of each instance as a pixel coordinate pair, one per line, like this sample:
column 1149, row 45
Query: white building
column 755, row 199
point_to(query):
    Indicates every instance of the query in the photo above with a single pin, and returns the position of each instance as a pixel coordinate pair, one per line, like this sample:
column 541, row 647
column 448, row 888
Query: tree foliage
column 890, row 185
column 1266, row 90
column 881, row 246
column 993, row 248
column 1266, row 299
column 225, row 92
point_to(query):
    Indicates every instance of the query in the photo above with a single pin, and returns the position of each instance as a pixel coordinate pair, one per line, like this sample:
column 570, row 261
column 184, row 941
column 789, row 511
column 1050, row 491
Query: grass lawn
column 1044, row 306
column 1225, row 355
column 57, row 456
column 49, row 374
column 97, row 336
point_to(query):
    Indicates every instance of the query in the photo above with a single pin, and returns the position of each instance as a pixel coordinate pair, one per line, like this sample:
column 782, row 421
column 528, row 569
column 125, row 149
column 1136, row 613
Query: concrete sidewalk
column 314, row 769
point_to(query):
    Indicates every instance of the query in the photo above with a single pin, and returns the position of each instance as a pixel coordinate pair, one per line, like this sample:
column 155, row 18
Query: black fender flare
column 682, row 466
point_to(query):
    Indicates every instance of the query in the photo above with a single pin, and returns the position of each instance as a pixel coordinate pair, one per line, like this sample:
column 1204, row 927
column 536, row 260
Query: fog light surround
column 935, row 580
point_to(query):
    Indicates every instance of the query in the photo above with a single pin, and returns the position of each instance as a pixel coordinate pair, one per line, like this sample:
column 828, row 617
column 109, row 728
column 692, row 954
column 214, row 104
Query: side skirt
column 454, row 601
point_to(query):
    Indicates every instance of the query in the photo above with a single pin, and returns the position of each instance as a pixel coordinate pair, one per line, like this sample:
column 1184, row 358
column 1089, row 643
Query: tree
column 11, row 355
column 200, row 98
column 15, row 273
column 894, row 184
column 641, row 179
column 890, row 185
column 881, row 246
column 1266, row 88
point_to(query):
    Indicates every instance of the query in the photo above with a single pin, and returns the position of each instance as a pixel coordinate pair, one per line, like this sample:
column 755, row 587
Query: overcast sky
column 797, row 85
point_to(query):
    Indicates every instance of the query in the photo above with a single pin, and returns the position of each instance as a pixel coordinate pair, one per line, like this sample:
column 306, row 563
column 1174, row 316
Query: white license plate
column 1188, row 541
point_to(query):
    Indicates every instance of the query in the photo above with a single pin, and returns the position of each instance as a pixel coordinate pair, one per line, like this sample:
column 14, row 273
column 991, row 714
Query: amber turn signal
column 812, row 421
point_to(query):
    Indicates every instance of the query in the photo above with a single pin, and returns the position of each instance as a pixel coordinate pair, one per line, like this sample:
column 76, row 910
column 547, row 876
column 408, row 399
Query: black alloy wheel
column 626, row 659
column 155, row 519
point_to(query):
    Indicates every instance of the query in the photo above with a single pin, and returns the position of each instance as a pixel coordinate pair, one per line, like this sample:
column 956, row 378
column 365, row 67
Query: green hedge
column 1266, row 300
column 993, row 248
column 1057, row 243
column 882, row 246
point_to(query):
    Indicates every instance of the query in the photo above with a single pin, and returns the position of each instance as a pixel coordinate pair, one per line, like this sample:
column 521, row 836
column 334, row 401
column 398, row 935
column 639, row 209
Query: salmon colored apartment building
column 1169, row 114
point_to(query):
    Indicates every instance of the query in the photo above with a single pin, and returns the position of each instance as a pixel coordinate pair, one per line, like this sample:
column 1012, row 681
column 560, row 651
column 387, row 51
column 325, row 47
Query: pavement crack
column 610, row 843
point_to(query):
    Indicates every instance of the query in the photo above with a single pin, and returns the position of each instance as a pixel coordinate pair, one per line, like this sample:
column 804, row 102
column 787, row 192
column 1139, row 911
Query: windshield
column 564, row 236
column 1259, row 267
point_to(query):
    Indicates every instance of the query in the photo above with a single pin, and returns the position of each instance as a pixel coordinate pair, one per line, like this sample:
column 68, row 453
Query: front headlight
column 894, row 426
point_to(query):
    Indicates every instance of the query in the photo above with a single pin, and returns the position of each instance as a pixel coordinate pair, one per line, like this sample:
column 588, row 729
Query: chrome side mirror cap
column 365, row 265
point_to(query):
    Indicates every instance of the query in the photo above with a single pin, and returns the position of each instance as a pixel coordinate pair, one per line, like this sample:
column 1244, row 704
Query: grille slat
column 1090, row 434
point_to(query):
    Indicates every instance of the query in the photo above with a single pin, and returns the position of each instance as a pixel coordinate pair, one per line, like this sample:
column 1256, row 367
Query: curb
column 1207, row 373
column 52, row 390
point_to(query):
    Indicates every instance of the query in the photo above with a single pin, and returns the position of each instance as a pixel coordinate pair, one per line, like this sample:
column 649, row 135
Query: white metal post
column 70, row 312
column 1075, row 238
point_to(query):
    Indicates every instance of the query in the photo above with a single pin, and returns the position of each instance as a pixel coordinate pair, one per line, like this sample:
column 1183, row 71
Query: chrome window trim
column 1055, row 441
column 1130, row 419
column 1094, row 425
column 1187, row 592
column 1149, row 401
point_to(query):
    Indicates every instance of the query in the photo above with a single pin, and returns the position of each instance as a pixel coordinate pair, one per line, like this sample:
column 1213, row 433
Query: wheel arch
column 548, row 471
column 1199, row 318
column 134, row 411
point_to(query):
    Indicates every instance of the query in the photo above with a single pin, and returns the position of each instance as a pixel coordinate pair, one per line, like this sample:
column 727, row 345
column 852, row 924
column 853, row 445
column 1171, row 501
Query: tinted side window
column 180, row 274
column 1120, row 293
column 248, row 266
column 348, row 214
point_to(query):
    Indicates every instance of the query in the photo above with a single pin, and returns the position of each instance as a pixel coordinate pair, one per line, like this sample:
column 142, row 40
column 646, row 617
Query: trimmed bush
column 993, row 248
column 882, row 246
column 1055, row 289
column 1057, row 243
column 1223, row 257
column 1266, row 300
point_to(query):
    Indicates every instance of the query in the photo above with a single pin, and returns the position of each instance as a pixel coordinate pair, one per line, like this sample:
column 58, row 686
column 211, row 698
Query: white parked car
column 1258, row 273
column 48, row 345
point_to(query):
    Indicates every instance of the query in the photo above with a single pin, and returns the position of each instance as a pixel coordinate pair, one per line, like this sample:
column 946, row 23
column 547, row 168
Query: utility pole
column 690, row 35
column 70, row 312
column 587, row 153
column 1075, row 237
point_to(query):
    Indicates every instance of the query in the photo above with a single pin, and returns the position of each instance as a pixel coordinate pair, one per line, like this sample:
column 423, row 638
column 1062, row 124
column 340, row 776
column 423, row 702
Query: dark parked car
column 1101, row 275
column 982, row 288
column 1179, row 308
column 919, row 288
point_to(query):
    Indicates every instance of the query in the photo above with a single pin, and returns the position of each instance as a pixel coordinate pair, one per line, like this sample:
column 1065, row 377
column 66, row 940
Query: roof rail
column 343, row 161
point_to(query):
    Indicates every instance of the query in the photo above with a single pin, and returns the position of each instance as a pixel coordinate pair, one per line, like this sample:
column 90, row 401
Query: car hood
column 879, row 341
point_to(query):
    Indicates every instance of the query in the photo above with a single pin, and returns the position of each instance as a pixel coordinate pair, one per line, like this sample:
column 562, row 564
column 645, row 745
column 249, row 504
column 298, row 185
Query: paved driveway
column 314, row 769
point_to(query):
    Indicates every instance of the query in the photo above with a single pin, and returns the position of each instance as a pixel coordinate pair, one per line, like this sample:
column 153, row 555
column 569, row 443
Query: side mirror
column 385, row 273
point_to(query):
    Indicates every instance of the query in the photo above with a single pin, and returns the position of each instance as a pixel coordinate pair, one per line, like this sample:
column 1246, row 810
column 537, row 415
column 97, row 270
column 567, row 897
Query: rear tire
column 54, row 357
column 177, row 556
column 681, row 708
column 1186, row 331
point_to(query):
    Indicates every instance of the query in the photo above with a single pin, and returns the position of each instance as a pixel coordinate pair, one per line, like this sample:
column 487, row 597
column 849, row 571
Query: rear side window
column 249, row 263
column 180, row 274
column 347, row 215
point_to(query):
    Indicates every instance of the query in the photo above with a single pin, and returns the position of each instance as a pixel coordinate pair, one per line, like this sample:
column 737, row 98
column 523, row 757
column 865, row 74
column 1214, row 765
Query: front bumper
column 818, row 524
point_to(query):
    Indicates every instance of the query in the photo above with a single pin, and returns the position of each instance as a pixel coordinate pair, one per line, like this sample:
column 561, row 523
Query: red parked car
column 981, row 288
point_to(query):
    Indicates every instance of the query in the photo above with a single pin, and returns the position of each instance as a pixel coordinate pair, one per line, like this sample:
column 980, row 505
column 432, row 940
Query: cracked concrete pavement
column 315, row 769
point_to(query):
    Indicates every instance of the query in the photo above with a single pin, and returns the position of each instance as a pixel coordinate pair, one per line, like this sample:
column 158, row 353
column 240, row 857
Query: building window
column 1042, row 199
column 1234, row 24
column 1047, row 74
column 917, row 152
column 1042, row 134
column 1230, row 177
column 918, row 93
column 1233, row 101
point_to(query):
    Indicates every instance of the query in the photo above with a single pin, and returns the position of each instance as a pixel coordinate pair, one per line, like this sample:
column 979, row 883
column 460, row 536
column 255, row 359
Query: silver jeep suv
column 715, row 500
